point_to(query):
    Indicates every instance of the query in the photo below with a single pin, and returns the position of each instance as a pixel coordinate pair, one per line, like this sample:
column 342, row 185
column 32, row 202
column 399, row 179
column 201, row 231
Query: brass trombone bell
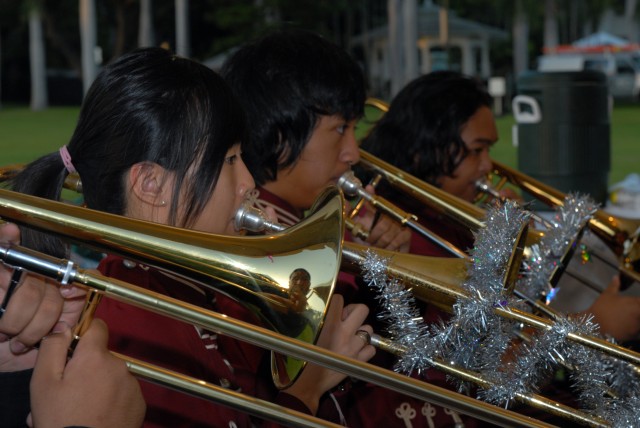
column 447, row 273
column 252, row 270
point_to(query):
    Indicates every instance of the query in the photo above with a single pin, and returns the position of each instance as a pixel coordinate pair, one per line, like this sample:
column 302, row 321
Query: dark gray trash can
column 563, row 130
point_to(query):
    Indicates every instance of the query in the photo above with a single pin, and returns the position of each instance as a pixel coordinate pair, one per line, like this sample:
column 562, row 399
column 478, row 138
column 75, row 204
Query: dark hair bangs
column 221, row 125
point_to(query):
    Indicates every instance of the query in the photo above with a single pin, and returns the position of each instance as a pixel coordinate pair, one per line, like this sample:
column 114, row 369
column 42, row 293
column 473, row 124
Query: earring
column 163, row 203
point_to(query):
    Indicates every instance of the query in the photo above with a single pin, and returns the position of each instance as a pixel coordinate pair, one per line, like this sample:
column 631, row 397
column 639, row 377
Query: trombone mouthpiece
column 252, row 219
column 350, row 184
column 485, row 187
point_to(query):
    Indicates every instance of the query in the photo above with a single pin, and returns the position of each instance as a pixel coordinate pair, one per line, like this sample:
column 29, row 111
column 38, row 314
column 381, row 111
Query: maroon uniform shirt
column 181, row 347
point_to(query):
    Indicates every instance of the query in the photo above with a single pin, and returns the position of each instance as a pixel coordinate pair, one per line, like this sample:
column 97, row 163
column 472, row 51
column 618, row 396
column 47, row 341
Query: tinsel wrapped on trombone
column 476, row 338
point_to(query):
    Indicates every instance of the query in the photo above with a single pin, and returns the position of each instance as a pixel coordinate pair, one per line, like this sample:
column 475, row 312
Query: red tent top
column 565, row 49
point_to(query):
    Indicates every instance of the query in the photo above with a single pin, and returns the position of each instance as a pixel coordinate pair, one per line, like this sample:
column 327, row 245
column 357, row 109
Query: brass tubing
column 612, row 230
column 466, row 213
column 197, row 316
column 71, row 182
column 432, row 288
column 9, row 171
column 421, row 285
column 353, row 258
column 352, row 186
column 242, row 402
column 589, row 341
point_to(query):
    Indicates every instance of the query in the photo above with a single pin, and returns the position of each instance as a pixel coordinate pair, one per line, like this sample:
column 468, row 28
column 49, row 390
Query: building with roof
column 444, row 41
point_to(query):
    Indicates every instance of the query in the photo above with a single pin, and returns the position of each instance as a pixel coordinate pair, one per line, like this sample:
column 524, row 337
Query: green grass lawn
column 26, row 135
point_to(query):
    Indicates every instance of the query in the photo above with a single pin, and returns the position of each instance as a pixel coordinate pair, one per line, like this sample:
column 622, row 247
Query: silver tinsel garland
column 566, row 228
column 476, row 339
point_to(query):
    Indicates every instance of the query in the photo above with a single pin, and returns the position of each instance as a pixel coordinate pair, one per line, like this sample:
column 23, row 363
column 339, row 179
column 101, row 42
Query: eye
column 342, row 128
column 479, row 150
column 230, row 160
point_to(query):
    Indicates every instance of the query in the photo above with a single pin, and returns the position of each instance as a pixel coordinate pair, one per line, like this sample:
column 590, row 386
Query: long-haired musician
column 158, row 139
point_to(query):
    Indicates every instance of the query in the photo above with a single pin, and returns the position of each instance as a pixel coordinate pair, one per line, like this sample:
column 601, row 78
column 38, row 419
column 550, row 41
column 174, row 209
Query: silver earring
column 163, row 203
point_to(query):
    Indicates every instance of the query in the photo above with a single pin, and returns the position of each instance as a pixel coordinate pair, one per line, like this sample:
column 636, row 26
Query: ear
column 148, row 183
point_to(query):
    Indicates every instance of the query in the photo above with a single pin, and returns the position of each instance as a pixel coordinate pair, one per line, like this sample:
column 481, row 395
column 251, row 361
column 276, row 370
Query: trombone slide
column 197, row 316
column 352, row 186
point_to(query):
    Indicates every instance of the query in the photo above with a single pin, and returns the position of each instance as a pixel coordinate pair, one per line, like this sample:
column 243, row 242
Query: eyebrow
column 485, row 141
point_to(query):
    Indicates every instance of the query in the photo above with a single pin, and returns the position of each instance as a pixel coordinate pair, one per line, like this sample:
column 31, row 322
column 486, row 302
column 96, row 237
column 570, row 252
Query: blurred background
column 51, row 50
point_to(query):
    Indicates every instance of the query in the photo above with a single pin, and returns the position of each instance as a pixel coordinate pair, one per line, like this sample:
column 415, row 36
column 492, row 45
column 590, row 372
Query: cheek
column 475, row 165
column 313, row 176
column 230, row 231
column 216, row 214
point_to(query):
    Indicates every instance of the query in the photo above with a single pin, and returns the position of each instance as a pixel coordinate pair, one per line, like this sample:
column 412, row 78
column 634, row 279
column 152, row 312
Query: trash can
column 563, row 131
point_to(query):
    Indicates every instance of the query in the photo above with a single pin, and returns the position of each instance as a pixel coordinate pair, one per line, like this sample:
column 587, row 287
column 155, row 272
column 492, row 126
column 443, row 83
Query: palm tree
column 88, row 42
column 520, row 38
column 145, row 30
column 630, row 7
column 403, row 39
column 394, row 14
column 550, row 24
column 182, row 28
column 39, row 100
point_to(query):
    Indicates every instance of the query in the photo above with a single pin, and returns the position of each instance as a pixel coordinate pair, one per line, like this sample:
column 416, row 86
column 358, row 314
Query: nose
column 245, row 179
column 486, row 163
column 351, row 152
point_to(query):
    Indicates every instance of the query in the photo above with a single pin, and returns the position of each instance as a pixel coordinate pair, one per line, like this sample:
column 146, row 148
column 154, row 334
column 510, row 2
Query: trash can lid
column 553, row 78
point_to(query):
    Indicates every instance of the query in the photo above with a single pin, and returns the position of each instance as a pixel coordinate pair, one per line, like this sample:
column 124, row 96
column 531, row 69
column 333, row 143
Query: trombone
column 168, row 248
column 240, row 263
column 621, row 235
column 436, row 280
column 254, row 220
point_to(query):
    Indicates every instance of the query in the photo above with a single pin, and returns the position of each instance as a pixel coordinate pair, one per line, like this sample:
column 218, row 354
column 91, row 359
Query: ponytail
column 43, row 177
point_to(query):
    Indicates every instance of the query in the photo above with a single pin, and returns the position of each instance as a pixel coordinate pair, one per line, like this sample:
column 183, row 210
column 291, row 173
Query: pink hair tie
column 66, row 159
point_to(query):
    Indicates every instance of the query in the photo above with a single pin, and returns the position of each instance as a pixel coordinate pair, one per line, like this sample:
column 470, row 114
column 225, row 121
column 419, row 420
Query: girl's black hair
column 147, row 106
column 420, row 133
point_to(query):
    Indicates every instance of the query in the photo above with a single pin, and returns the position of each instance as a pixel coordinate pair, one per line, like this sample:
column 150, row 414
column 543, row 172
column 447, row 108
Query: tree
column 145, row 26
column 629, row 16
column 403, row 40
column 88, row 38
column 37, row 56
column 550, row 24
column 520, row 38
column 410, row 32
column 395, row 45
column 183, row 46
